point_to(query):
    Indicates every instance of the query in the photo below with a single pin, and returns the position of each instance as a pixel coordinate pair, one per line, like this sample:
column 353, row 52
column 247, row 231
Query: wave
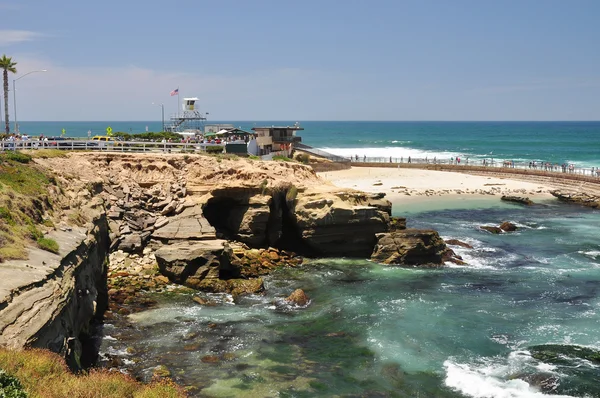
column 493, row 379
column 394, row 152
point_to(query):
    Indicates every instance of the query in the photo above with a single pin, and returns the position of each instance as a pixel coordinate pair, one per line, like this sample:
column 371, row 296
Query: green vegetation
column 253, row 157
column 10, row 387
column 43, row 374
column 303, row 158
column 48, row 245
column 150, row 136
column 291, row 194
column 24, row 202
column 19, row 177
column 48, row 153
column 213, row 149
column 17, row 156
column 282, row 158
column 263, row 186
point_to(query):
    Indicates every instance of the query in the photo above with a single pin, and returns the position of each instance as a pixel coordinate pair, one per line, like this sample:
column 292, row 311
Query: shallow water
column 372, row 330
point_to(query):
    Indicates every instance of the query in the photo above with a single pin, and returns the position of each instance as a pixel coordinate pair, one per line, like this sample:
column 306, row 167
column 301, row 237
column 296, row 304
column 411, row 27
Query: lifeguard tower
column 190, row 121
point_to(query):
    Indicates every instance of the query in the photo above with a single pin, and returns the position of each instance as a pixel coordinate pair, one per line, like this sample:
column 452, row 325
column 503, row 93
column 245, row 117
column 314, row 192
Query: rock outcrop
column 59, row 295
column 506, row 226
column 579, row 198
column 410, row 247
column 517, row 199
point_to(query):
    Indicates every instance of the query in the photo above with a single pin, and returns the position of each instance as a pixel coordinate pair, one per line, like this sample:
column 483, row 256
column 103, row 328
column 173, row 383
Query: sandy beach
column 405, row 185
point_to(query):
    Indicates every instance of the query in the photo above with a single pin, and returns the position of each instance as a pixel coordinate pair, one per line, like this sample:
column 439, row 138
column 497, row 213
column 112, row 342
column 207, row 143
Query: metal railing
column 488, row 164
column 120, row 146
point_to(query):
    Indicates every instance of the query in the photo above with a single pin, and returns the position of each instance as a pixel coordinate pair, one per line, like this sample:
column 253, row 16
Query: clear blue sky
column 306, row 60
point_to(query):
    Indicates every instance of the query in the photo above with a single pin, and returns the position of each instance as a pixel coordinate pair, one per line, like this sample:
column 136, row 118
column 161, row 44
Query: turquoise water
column 378, row 331
column 556, row 142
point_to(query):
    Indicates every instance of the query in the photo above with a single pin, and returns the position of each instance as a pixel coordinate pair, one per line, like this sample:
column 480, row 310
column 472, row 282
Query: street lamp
column 162, row 107
column 15, row 95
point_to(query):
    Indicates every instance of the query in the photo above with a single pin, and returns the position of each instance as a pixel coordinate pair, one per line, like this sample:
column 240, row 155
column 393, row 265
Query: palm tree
column 7, row 65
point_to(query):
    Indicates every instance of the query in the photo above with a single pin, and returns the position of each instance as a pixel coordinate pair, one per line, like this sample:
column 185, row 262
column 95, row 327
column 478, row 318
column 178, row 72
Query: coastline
column 409, row 185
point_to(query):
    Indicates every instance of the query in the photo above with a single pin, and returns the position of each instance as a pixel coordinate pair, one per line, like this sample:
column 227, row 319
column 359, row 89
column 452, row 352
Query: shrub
column 303, row 158
column 291, row 194
column 16, row 156
column 10, row 387
column 214, row 149
column 263, row 186
column 48, row 245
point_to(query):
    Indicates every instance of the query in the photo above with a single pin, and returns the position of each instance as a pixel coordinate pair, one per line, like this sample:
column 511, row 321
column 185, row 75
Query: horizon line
column 323, row 120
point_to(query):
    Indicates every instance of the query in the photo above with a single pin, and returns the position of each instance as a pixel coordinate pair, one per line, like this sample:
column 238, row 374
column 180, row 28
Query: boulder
column 298, row 297
column 456, row 242
column 189, row 263
column 397, row 223
column 190, row 224
column 507, row 226
column 130, row 243
column 491, row 229
column 413, row 247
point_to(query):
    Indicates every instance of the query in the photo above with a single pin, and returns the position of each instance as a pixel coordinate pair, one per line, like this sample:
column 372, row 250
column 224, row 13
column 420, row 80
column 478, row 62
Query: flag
column 175, row 92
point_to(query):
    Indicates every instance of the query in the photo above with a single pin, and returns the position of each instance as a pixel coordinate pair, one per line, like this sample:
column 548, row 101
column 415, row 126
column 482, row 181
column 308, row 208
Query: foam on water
column 394, row 152
column 492, row 380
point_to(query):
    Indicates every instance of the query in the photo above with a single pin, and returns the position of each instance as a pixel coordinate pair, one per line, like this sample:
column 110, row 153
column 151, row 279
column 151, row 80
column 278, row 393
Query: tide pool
column 373, row 330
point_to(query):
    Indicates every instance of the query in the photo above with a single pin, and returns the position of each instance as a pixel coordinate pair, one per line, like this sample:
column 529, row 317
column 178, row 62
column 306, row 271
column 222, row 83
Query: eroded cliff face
column 261, row 204
column 59, row 295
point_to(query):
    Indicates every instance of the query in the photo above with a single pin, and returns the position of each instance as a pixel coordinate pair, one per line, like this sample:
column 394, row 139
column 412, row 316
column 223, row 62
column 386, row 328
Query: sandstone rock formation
column 579, row 198
column 410, row 247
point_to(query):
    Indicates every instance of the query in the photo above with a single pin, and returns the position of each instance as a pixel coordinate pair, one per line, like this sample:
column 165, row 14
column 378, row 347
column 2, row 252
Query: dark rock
column 131, row 243
column 412, row 247
column 298, row 297
column 189, row 263
column 397, row 223
column 558, row 354
column 456, row 242
column 517, row 199
column 507, row 226
column 494, row 230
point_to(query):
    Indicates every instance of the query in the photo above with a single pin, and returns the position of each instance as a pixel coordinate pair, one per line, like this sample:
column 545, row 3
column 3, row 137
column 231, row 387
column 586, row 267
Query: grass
column 282, row 158
column 43, row 374
column 24, row 204
column 48, row 245
column 48, row 153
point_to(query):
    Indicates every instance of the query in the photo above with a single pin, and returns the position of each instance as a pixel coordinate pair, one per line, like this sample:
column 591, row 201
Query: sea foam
column 489, row 381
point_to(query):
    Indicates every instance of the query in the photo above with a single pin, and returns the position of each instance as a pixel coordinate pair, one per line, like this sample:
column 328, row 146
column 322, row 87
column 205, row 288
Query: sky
column 305, row 60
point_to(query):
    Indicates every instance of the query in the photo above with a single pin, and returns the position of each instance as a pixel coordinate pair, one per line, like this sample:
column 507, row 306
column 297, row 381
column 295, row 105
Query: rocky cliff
column 212, row 223
column 51, row 299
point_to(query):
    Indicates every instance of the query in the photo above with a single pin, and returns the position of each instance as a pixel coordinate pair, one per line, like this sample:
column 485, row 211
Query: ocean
column 517, row 321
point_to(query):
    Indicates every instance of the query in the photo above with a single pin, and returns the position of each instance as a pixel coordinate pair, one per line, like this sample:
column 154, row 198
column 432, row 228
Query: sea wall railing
column 119, row 146
column 487, row 165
